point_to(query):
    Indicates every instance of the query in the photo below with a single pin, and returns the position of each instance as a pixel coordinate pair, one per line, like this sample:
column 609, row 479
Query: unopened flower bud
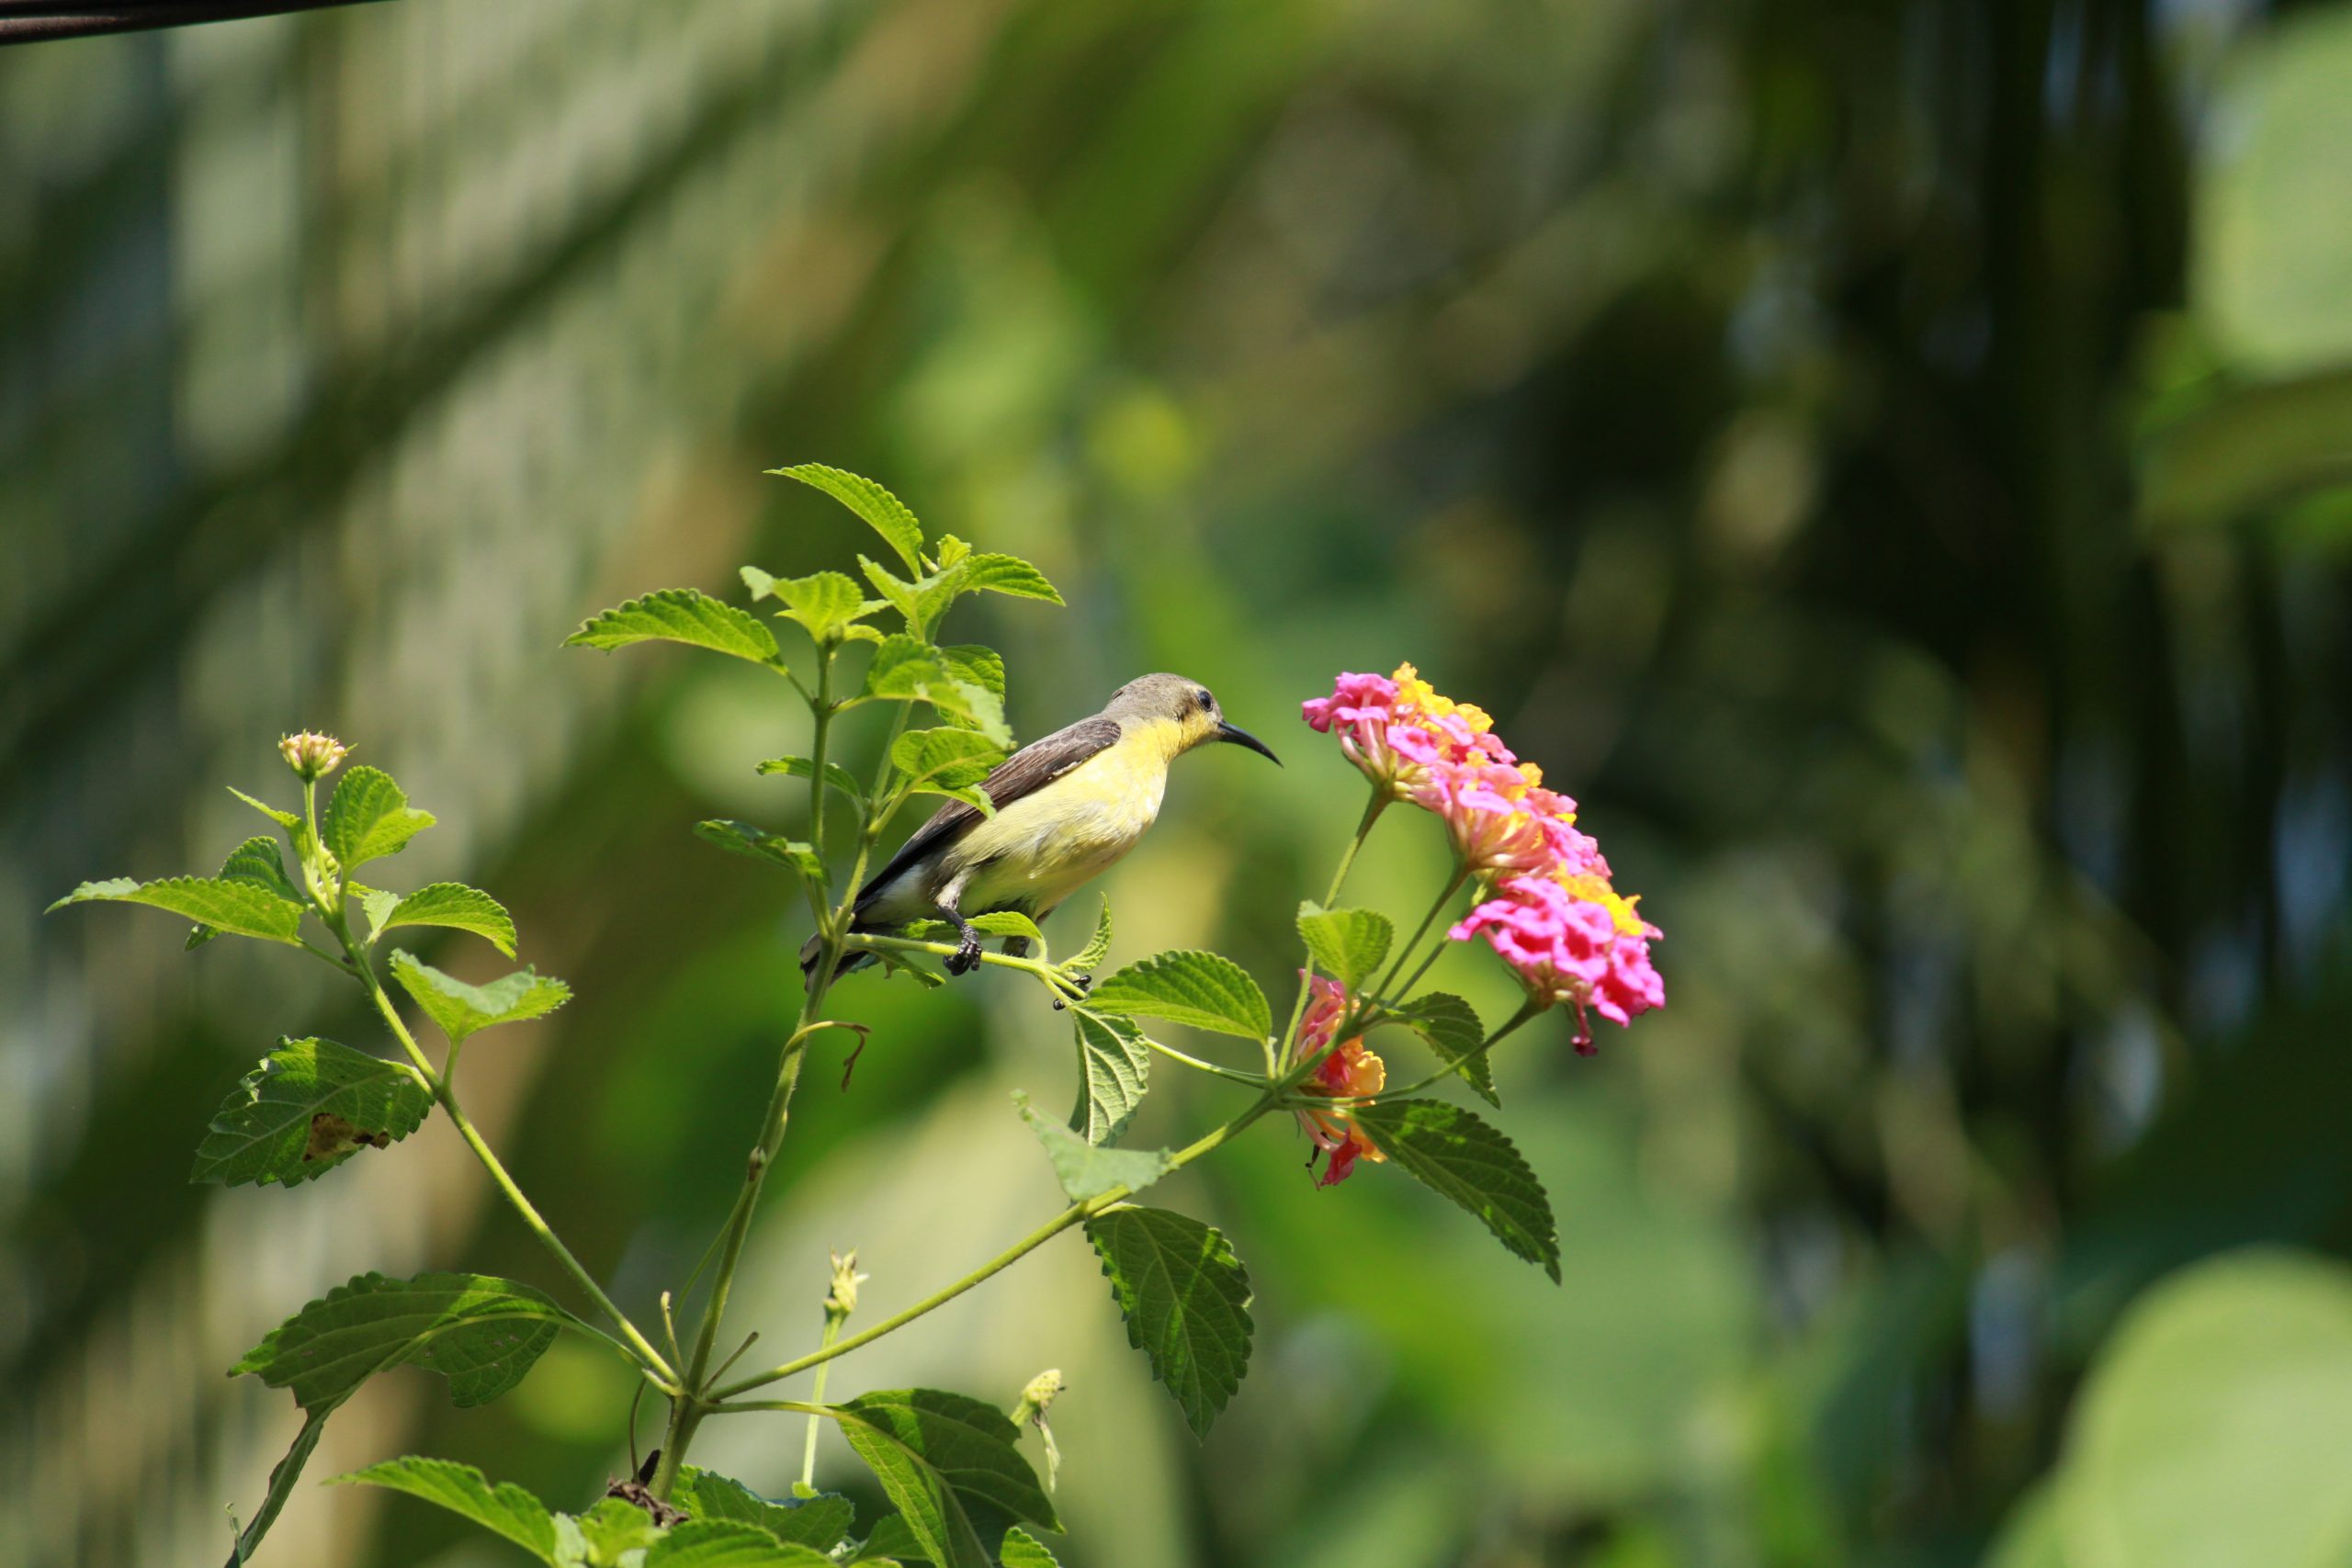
column 1043, row 1390
column 313, row 757
column 841, row 1300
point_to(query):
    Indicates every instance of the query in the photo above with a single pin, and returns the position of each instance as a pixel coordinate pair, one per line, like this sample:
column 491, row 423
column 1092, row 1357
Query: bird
column 1067, row 808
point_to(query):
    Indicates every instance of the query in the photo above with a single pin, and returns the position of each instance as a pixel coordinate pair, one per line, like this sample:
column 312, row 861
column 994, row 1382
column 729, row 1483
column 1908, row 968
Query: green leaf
column 310, row 1105
column 1114, row 1070
column 2213, row 1427
column 972, row 795
column 379, row 903
column 743, row 838
column 240, row 909
column 841, row 778
column 949, row 1464
column 461, row 1009
column 1008, row 922
column 825, row 603
column 616, row 1534
column 1023, row 1549
column 1098, row 946
column 680, row 615
column 1451, row 1151
column 893, row 1540
column 1004, row 574
column 1202, row 989
column 1186, row 1300
column 282, row 1477
column 1089, row 1170
column 504, row 1510
column 700, row 1543
column 950, row 757
column 1450, row 1028
column 481, row 1333
column 458, row 906
column 899, row 594
column 283, row 818
column 368, row 819
column 257, row 862
column 887, row 513
column 1349, row 943
column 821, row 1521
column 976, row 664
column 906, row 669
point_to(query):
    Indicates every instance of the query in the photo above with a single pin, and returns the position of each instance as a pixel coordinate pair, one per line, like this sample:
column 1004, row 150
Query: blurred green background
column 1892, row 463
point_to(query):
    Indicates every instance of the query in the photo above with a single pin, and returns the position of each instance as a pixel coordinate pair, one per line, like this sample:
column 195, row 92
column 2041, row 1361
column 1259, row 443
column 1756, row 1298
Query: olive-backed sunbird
column 1067, row 808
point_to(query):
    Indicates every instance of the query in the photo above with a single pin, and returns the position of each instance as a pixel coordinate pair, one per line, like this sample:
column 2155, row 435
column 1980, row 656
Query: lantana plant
column 961, row 1493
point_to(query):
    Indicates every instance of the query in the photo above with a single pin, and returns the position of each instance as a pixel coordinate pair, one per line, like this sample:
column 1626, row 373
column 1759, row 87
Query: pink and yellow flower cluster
column 1346, row 1068
column 1546, row 904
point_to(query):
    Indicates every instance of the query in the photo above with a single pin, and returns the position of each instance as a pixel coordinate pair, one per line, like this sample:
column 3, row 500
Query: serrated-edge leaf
column 1114, row 1072
column 1185, row 1298
column 1023, row 1549
column 305, row 1109
column 1007, row 922
column 950, row 756
column 282, row 1477
column 283, row 818
column 1454, row 1153
column 502, row 1508
column 377, row 904
column 459, row 908
column 824, row 603
column 972, row 795
column 758, row 844
column 369, row 817
column 1349, row 943
column 1088, row 1170
column 612, row 1532
column 723, row 1543
column 977, row 663
column 1451, row 1029
column 899, row 594
column 680, row 615
column 997, row 573
column 939, row 1456
column 1098, row 946
column 256, row 861
column 885, row 512
column 238, row 908
column 1205, row 990
column 841, row 778
column 480, row 1332
column 461, row 1009
column 821, row 1521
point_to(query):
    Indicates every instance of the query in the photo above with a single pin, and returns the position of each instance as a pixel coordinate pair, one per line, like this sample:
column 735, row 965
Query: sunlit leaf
column 1089, row 1170
column 1450, row 1028
column 504, row 1509
column 283, row 818
column 1023, row 1549
column 821, row 1521
column 976, row 664
column 459, row 908
column 950, row 758
column 1350, row 944
column 705, row 1543
column 240, row 909
column 1205, row 990
column 310, row 1105
column 680, row 615
column 825, row 603
column 462, row 1009
column 1098, row 946
column 885, row 512
column 743, row 838
column 369, row 817
column 258, row 862
column 1007, row 922
column 1451, row 1151
column 1114, row 1070
column 481, row 1333
column 950, row 1466
column 1186, row 1300
column 841, row 778
column 1005, row 574
column 906, row 669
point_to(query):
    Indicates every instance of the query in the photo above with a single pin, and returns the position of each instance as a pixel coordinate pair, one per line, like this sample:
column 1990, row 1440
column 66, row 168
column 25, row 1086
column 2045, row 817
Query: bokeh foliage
column 1888, row 464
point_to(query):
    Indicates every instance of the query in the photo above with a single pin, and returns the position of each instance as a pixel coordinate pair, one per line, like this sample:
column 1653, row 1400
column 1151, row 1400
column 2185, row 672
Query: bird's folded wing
column 1024, row 772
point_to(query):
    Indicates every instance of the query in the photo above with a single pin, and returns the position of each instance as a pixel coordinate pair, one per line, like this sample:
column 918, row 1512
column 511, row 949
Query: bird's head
column 1186, row 708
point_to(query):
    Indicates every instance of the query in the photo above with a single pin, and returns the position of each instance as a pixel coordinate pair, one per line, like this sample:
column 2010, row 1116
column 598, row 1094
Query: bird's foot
column 966, row 956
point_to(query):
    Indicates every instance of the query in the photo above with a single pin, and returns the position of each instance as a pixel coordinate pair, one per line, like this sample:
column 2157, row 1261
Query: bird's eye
column 1209, row 703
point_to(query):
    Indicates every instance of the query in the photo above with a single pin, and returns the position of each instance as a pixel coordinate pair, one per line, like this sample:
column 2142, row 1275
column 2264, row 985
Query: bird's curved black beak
column 1241, row 737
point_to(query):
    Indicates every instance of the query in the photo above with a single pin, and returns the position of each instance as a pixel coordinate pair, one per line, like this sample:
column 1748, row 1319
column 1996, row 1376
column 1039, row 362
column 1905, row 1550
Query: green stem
column 817, row 1396
column 1387, row 987
column 1076, row 1214
column 1527, row 1009
column 446, row 1096
column 866, row 941
column 1277, row 1057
